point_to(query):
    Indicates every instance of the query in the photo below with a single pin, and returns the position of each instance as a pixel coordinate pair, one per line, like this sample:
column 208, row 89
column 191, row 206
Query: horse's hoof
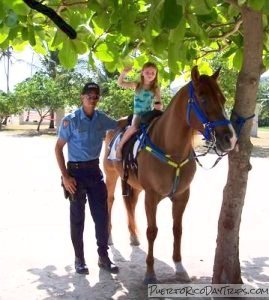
column 150, row 279
column 134, row 240
column 183, row 277
column 110, row 241
column 181, row 273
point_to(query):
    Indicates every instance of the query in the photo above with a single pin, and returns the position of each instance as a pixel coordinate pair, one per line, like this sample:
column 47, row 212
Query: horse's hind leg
column 111, row 180
column 179, row 205
column 151, row 202
column 130, row 201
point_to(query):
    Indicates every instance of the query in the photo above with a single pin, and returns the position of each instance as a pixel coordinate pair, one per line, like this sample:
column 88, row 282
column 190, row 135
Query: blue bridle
column 208, row 125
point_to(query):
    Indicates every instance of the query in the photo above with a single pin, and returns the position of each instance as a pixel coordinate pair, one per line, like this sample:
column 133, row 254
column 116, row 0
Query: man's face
column 90, row 99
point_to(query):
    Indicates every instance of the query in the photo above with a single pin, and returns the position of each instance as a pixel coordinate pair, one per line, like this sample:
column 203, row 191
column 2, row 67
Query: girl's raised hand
column 127, row 69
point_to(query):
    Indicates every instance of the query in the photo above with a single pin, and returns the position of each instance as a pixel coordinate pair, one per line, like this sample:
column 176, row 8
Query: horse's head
column 206, row 110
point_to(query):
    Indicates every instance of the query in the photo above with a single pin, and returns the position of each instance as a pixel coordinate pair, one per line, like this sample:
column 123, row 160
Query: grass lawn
column 263, row 128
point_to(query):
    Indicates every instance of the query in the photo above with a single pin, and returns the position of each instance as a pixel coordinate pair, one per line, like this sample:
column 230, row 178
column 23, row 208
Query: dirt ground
column 261, row 144
column 36, row 256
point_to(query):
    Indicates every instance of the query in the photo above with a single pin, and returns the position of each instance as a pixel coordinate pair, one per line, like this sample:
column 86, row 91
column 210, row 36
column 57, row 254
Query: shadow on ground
column 253, row 270
column 29, row 133
column 128, row 284
column 260, row 151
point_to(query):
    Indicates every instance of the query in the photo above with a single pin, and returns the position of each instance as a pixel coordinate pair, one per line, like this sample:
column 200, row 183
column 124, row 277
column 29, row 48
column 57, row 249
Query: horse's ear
column 195, row 75
column 216, row 74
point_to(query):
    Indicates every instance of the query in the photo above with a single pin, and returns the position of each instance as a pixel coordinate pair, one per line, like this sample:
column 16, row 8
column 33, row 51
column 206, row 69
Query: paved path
column 36, row 256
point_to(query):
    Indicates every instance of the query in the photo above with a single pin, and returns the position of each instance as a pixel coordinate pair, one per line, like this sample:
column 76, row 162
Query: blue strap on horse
column 238, row 122
column 157, row 152
column 208, row 126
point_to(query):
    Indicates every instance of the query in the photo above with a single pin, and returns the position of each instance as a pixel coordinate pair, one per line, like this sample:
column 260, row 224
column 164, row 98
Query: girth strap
column 157, row 152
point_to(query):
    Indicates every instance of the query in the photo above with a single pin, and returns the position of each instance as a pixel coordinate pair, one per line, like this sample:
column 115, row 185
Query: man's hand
column 70, row 184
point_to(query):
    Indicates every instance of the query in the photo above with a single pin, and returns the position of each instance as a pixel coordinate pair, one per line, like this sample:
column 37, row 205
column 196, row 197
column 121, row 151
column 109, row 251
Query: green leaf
column 110, row 67
column 265, row 8
column 103, row 53
column 58, row 39
column 20, row 8
column 127, row 21
column 229, row 52
column 177, row 35
column 13, row 33
column 80, row 46
column 233, row 11
column 154, row 17
column 201, row 7
column 266, row 62
column 94, row 6
column 266, row 40
column 12, row 19
column 172, row 14
column 31, row 36
column 241, row 2
column 256, row 4
column 24, row 33
column 194, row 26
column 20, row 46
column 4, row 32
column 67, row 55
column 173, row 54
column 74, row 18
column 238, row 59
column 2, row 11
column 159, row 43
column 5, row 44
column 39, row 48
column 238, row 40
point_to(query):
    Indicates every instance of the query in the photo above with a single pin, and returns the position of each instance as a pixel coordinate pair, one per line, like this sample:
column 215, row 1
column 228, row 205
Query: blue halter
column 208, row 126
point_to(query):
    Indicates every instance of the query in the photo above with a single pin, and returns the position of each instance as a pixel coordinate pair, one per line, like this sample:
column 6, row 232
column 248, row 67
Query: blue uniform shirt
column 84, row 136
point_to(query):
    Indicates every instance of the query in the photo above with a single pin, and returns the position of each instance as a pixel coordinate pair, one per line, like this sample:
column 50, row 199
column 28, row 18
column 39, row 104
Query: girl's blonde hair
column 154, row 84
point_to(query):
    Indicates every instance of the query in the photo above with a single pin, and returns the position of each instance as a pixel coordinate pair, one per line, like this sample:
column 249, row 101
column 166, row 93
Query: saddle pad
column 114, row 144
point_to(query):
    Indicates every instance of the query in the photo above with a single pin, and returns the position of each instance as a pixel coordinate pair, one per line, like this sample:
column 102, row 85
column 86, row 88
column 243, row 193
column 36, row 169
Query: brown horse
column 198, row 106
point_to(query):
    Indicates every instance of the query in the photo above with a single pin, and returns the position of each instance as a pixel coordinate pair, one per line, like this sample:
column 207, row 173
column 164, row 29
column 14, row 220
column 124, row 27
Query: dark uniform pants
column 91, row 187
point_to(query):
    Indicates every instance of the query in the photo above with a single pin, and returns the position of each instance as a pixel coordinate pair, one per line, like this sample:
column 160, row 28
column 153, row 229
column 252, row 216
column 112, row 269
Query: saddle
column 131, row 147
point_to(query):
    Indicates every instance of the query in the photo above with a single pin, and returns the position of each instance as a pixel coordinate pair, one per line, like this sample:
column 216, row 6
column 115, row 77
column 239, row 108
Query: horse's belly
column 163, row 179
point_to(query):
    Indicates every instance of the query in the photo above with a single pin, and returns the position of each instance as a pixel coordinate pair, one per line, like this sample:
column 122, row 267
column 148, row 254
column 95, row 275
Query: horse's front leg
column 151, row 202
column 178, row 207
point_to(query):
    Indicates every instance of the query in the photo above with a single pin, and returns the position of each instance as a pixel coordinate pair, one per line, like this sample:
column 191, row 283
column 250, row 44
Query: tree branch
column 225, row 35
column 206, row 52
column 49, row 12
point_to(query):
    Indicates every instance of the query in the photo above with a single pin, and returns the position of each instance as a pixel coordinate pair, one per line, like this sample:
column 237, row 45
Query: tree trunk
column 39, row 124
column 51, row 126
column 227, row 264
column 4, row 122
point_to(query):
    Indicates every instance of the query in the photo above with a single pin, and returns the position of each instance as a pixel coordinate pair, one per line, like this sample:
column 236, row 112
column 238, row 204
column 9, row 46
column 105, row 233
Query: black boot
column 105, row 263
column 80, row 266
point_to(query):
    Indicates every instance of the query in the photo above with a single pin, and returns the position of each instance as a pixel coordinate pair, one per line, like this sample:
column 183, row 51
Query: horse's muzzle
column 226, row 141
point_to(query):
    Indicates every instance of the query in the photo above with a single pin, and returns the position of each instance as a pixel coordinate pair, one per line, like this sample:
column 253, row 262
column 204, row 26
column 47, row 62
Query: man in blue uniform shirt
column 83, row 132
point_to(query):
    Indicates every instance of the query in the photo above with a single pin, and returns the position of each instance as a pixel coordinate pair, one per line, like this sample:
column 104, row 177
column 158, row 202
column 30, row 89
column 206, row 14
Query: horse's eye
column 203, row 100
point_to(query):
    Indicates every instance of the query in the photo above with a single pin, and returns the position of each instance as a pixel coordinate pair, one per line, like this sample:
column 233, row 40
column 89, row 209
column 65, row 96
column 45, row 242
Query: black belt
column 83, row 164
